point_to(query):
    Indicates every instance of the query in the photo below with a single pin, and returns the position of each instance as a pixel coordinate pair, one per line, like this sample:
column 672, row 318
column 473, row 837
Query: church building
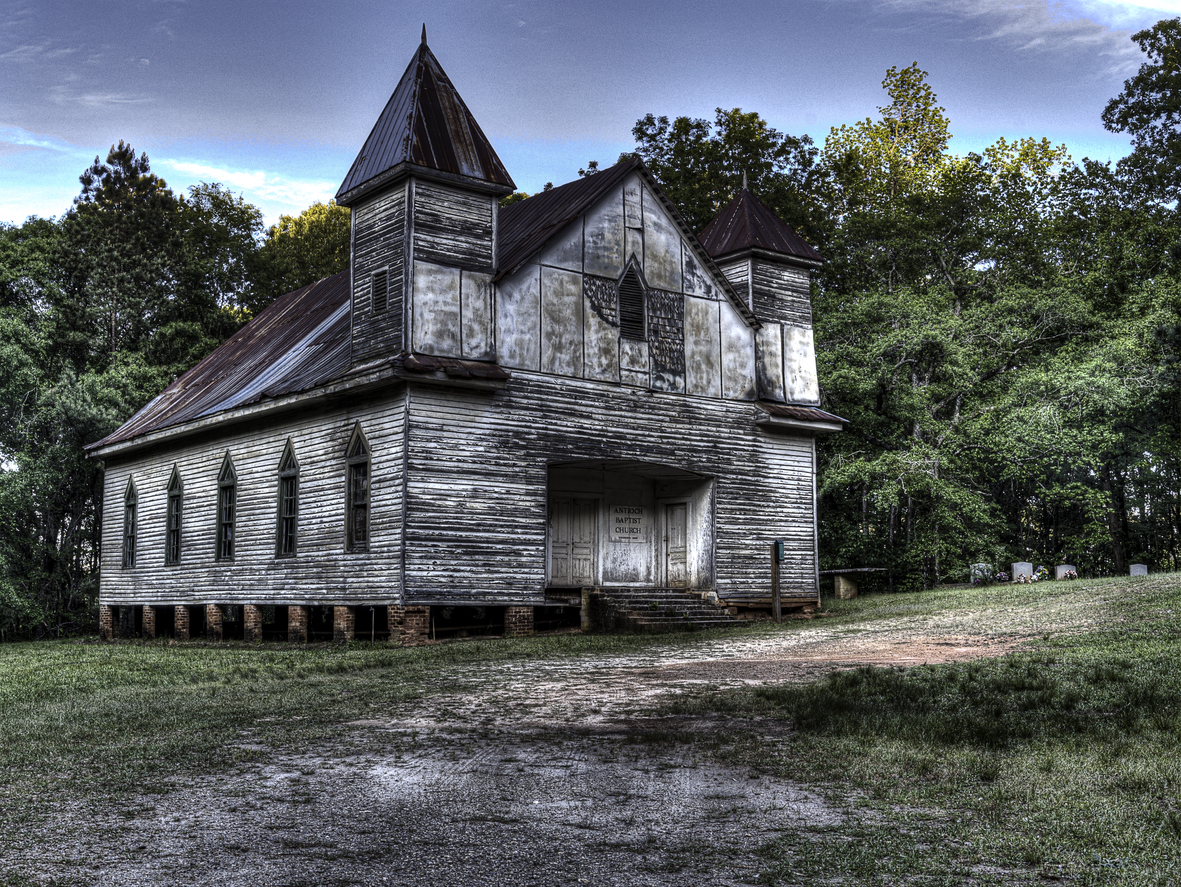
column 496, row 414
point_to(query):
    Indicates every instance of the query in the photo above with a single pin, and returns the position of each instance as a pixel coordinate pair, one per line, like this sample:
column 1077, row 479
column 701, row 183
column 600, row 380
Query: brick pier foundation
column 149, row 621
column 297, row 624
column 213, row 622
column 409, row 626
column 180, row 625
column 106, row 623
column 344, row 624
column 518, row 622
column 251, row 623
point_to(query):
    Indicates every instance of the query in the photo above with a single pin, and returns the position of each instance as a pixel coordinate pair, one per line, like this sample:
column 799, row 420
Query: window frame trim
column 352, row 459
column 130, row 524
column 226, row 482
column 288, row 471
column 175, row 493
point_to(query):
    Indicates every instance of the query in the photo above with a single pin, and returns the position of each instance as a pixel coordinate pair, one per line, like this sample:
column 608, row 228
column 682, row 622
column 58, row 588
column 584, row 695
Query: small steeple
column 425, row 129
column 745, row 224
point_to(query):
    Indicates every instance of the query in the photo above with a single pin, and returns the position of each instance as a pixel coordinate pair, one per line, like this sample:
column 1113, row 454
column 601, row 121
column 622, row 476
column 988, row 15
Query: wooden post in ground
column 776, row 610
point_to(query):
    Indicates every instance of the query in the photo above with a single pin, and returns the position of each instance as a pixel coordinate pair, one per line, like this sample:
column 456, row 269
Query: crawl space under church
column 571, row 410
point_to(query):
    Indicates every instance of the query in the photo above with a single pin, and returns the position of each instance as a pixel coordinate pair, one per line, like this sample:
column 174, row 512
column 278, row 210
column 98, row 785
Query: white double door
column 573, row 541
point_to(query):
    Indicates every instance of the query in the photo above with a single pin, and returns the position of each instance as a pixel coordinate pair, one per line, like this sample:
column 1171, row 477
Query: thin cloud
column 14, row 135
column 259, row 184
column 1040, row 26
column 67, row 95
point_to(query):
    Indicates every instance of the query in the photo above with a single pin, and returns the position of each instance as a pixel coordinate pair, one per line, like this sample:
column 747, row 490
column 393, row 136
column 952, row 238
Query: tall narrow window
column 288, row 502
column 130, row 507
column 175, row 504
column 631, row 305
column 381, row 290
column 227, row 495
column 358, row 492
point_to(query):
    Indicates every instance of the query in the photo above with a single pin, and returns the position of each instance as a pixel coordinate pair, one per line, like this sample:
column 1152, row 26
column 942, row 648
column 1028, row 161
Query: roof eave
column 782, row 423
column 234, row 415
column 405, row 169
column 771, row 256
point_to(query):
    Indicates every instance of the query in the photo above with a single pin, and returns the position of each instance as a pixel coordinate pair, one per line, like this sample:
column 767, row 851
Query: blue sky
column 274, row 100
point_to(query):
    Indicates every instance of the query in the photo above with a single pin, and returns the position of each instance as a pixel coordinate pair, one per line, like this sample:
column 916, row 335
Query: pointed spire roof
column 746, row 223
column 425, row 128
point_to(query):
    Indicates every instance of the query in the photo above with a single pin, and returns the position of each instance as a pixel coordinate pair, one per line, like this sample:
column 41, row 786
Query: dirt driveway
column 551, row 773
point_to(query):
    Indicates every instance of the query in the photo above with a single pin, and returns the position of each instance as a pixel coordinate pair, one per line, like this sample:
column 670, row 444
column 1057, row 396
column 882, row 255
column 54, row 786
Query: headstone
column 1061, row 570
column 981, row 572
column 1024, row 568
column 1139, row 570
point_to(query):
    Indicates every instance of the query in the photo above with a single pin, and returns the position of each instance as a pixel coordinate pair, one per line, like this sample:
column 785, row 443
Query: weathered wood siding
column 452, row 226
column 476, row 494
column 322, row 571
column 559, row 314
column 379, row 243
column 737, row 271
column 451, row 290
column 799, row 360
column 781, row 292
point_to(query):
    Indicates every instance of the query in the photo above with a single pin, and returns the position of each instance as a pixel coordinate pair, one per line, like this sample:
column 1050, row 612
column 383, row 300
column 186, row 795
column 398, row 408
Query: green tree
column 1149, row 109
column 97, row 313
column 702, row 165
column 123, row 258
column 300, row 250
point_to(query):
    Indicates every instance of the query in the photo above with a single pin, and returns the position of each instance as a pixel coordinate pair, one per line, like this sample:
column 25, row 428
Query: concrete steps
column 654, row 610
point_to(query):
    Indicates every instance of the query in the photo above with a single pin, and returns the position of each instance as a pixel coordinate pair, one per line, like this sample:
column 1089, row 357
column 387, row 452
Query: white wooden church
column 501, row 412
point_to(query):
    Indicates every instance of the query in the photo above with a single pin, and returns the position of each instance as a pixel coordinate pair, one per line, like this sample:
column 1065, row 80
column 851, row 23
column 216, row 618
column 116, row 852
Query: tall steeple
column 425, row 129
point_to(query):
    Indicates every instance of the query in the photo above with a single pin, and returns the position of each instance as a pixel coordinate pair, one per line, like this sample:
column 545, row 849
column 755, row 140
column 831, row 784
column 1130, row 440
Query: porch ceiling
column 650, row 470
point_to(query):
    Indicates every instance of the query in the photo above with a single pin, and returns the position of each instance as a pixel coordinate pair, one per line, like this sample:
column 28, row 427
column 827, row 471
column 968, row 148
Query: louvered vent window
column 381, row 290
column 631, row 306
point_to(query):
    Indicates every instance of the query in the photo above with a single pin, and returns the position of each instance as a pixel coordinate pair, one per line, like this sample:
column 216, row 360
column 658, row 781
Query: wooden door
column 583, row 542
column 676, row 520
column 573, row 541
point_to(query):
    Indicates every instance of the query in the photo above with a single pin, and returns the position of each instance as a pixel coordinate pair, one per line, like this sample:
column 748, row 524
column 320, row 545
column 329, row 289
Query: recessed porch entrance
column 627, row 523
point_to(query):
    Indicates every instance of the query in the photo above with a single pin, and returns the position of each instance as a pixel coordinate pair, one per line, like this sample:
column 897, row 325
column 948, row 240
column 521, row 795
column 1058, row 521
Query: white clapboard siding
column 781, row 292
column 322, row 572
column 476, row 483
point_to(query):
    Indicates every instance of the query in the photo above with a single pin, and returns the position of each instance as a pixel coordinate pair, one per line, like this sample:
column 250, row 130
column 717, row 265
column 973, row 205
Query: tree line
column 1001, row 329
column 99, row 310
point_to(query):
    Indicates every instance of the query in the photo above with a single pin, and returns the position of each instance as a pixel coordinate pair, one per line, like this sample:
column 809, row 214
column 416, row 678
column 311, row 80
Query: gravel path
column 553, row 773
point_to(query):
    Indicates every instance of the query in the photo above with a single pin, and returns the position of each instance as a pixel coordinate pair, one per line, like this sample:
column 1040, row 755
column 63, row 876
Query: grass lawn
column 1061, row 762
column 1058, row 762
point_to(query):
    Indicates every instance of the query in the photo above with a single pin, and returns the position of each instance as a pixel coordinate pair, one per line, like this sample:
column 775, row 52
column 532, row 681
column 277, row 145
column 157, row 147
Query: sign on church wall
column 629, row 523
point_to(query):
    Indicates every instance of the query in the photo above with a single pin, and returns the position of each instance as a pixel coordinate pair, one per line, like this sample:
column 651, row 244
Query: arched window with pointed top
column 130, row 517
column 357, row 507
column 174, row 511
column 227, row 501
column 288, row 502
column 631, row 303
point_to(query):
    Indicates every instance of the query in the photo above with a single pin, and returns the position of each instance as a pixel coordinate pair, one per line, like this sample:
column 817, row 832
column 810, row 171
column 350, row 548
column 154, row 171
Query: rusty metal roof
column 747, row 223
column 299, row 342
column 426, row 125
column 524, row 227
